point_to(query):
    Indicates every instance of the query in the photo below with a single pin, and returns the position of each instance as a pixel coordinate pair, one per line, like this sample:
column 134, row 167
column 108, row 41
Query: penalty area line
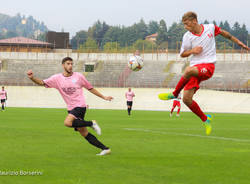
column 189, row 135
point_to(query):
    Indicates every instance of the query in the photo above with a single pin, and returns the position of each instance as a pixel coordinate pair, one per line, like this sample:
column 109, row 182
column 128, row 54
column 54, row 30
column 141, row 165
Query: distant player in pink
column 3, row 97
column 198, row 41
column 129, row 95
column 70, row 84
column 176, row 102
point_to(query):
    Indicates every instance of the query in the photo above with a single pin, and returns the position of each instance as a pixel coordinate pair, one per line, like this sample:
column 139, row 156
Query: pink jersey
column 70, row 88
column 206, row 40
column 129, row 96
column 3, row 95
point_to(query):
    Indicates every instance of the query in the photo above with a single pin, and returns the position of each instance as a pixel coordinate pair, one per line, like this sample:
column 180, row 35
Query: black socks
column 81, row 123
column 94, row 141
column 129, row 110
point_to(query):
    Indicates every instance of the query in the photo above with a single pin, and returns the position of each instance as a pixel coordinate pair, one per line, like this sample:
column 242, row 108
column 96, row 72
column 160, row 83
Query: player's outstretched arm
column 234, row 39
column 35, row 80
column 97, row 93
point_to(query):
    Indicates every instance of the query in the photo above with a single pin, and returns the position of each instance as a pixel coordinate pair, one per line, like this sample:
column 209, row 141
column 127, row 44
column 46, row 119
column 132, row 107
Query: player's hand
column 108, row 98
column 30, row 74
column 197, row 50
column 243, row 46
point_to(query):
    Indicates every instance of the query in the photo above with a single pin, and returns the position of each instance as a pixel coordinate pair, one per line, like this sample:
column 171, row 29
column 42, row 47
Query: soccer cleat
column 166, row 96
column 207, row 124
column 96, row 127
column 104, row 152
column 170, row 114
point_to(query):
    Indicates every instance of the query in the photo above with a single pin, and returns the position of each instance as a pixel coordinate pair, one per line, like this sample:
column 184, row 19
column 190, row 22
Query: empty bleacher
column 232, row 76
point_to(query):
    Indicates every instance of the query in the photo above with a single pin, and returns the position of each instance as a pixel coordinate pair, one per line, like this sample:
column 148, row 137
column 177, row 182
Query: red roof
column 152, row 35
column 23, row 40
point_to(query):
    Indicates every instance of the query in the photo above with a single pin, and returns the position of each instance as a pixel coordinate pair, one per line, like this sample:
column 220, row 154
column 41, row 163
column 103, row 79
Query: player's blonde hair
column 189, row 16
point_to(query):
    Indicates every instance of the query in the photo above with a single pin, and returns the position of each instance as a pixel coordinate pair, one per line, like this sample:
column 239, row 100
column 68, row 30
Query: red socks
column 182, row 82
column 178, row 112
column 194, row 107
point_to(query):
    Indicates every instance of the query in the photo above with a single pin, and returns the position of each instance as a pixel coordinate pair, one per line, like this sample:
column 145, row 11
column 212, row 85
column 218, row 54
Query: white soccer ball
column 135, row 63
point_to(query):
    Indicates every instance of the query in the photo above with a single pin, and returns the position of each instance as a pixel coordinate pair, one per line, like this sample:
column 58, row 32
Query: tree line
column 20, row 25
column 101, row 36
column 117, row 38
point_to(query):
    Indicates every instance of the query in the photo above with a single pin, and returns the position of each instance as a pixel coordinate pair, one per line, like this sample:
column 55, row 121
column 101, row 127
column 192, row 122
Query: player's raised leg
column 71, row 121
column 188, row 73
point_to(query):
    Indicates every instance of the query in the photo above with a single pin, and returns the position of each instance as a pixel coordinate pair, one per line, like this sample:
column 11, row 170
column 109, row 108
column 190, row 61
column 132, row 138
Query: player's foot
column 104, row 152
column 177, row 115
column 96, row 127
column 170, row 114
column 166, row 96
column 207, row 124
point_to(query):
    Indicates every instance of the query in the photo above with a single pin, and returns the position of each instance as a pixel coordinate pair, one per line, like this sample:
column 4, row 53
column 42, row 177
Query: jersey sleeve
column 186, row 44
column 217, row 30
column 86, row 84
column 51, row 82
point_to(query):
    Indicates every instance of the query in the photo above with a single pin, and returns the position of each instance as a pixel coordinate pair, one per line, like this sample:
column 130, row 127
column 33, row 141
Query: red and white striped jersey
column 206, row 40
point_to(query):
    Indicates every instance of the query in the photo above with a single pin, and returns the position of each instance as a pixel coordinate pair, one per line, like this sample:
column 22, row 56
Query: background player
column 70, row 84
column 198, row 41
column 3, row 97
column 176, row 102
column 129, row 95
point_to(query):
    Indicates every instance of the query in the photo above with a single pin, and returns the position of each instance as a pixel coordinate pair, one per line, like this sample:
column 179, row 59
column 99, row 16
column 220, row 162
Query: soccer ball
column 135, row 63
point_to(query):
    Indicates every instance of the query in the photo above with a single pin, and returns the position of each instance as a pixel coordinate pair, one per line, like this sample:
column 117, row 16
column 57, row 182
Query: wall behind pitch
column 146, row 99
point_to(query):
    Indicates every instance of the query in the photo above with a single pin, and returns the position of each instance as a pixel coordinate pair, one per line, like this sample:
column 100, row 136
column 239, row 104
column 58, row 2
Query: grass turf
column 148, row 147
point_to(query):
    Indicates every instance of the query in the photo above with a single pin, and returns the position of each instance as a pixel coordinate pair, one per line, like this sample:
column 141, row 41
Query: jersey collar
column 201, row 31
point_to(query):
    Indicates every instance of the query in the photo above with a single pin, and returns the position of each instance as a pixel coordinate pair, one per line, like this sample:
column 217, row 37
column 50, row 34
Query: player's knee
column 67, row 123
column 187, row 101
column 83, row 131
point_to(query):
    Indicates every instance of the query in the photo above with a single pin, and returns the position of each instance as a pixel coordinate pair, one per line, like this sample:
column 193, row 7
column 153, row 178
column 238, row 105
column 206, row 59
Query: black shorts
column 2, row 100
column 129, row 103
column 78, row 112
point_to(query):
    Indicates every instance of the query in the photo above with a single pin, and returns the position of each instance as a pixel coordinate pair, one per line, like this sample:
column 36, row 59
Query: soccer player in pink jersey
column 176, row 102
column 198, row 41
column 129, row 95
column 3, row 97
column 70, row 84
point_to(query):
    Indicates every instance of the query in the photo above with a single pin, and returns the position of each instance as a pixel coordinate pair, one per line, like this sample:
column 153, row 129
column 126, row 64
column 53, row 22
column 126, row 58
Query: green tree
column 114, row 34
column 153, row 27
column 111, row 47
column 143, row 45
column 79, row 39
column 89, row 46
column 97, row 32
column 162, row 33
column 175, row 34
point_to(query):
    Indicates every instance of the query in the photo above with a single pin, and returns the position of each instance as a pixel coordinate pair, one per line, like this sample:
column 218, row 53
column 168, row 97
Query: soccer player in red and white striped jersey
column 198, row 41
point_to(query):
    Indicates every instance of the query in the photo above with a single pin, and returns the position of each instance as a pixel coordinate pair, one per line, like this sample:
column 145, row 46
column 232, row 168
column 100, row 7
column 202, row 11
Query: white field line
column 189, row 135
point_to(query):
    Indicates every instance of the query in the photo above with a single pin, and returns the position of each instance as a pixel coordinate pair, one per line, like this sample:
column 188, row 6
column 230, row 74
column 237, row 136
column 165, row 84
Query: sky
column 75, row 15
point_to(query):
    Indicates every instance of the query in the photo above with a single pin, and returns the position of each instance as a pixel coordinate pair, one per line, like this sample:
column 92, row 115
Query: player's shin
column 95, row 142
column 182, row 82
column 194, row 107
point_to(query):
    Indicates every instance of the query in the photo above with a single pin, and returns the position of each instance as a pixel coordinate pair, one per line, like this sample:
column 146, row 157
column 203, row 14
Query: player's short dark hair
column 66, row 59
column 189, row 16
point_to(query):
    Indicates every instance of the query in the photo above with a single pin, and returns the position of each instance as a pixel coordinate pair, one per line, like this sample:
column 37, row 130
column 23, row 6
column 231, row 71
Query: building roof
column 23, row 40
column 152, row 35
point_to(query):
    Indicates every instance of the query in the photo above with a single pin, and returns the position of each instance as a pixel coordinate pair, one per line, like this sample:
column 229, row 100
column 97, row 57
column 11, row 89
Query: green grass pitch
column 148, row 147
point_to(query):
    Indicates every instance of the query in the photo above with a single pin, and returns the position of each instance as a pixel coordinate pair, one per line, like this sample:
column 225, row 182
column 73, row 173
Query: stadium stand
column 229, row 75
